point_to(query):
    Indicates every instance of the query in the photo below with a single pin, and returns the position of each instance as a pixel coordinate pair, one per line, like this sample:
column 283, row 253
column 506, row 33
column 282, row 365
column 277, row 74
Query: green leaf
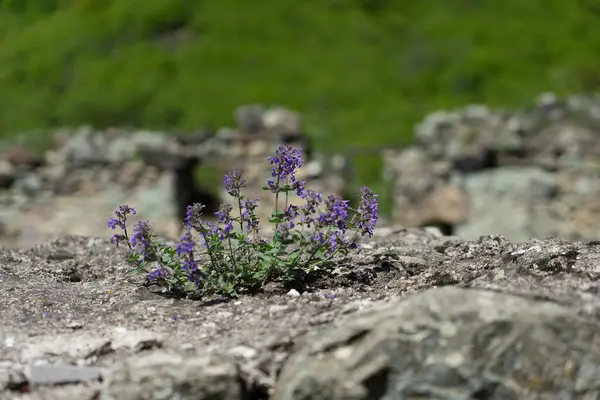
column 190, row 287
column 287, row 240
column 265, row 246
column 267, row 258
column 294, row 256
column 275, row 220
column 135, row 271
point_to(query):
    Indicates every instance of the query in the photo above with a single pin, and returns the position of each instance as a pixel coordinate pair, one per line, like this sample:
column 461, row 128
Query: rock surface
column 449, row 343
column 415, row 315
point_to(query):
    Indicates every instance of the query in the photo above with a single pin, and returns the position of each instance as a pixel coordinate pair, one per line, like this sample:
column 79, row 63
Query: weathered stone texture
column 449, row 343
column 415, row 315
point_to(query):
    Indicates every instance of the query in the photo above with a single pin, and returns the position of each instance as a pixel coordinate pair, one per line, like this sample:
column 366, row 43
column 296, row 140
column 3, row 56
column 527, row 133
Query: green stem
column 127, row 238
column 277, row 199
column 241, row 221
column 210, row 254
column 231, row 252
column 307, row 262
column 287, row 194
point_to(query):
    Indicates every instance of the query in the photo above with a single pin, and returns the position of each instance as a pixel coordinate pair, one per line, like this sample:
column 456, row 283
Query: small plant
column 229, row 256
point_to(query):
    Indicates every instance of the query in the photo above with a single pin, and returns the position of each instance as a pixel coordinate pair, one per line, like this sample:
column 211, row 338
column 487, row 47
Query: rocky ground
column 416, row 315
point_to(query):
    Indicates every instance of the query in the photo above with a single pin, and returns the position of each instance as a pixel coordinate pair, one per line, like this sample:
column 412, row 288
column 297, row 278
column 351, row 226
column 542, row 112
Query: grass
column 361, row 71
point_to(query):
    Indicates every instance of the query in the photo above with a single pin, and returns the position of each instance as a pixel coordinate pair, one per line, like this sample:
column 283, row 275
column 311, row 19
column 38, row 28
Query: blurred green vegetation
column 362, row 71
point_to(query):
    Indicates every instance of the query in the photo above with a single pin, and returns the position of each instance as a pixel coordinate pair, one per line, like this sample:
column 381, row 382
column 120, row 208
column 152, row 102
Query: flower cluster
column 285, row 162
column 142, row 237
column 228, row 255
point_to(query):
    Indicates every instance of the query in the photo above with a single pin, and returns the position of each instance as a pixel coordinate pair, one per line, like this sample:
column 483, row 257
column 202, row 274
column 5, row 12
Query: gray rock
column 56, row 374
column 11, row 379
column 282, row 121
column 500, row 202
column 149, row 140
column 7, row 174
column 85, row 147
column 162, row 375
column 445, row 242
column 528, row 173
column 120, row 150
column 29, row 185
column 249, row 118
column 449, row 343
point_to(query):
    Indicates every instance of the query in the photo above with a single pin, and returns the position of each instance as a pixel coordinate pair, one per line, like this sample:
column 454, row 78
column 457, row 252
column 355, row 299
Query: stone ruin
column 476, row 171
column 528, row 173
column 86, row 174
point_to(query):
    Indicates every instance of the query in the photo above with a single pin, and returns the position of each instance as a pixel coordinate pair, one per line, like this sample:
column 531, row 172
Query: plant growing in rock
column 229, row 256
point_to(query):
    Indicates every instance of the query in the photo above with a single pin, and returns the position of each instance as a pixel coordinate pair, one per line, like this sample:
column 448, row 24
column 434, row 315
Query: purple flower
column 194, row 275
column 317, row 238
column 186, row 243
column 333, row 241
column 189, row 266
column 233, row 183
column 207, row 229
column 122, row 212
column 193, row 220
column 368, row 211
column 224, row 215
column 193, row 216
column 313, row 201
column 113, row 223
column 248, row 215
column 285, row 163
column 298, row 186
column 290, row 215
column 142, row 239
column 338, row 238
column 336, row 213
column 159, row 272
column 116, row 238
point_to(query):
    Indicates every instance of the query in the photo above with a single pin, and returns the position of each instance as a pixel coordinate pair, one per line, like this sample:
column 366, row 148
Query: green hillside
column 362, row 71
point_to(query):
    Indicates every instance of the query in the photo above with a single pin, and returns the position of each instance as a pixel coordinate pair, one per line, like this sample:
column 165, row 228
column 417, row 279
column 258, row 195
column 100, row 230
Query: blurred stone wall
column 528, row 173
column 524, row 173
column 77, row 184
